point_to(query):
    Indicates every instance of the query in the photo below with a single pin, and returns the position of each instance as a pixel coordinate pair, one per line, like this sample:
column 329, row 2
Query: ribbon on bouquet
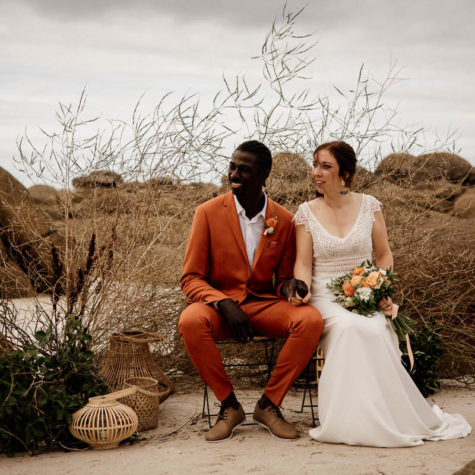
column 394, row 312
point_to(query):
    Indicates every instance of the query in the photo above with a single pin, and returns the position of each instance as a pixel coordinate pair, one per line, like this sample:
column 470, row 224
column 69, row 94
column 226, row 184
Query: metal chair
column 311, row 382
column 310, row 379
column 267, row 362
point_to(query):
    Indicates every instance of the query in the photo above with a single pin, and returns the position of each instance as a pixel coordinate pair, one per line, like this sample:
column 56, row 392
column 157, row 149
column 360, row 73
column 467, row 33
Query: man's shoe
column 272, row 419
column 228, row 420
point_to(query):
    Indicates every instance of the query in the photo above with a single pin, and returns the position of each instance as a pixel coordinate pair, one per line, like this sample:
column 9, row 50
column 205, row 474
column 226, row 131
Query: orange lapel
column 233, row 221
column 264, row 239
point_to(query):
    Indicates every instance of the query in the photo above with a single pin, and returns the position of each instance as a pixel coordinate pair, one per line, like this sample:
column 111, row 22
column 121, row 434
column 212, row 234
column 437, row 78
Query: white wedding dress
column 365, row 395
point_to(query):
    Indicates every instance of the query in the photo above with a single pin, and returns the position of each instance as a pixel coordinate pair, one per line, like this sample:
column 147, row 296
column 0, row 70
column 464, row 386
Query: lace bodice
column 333, row 255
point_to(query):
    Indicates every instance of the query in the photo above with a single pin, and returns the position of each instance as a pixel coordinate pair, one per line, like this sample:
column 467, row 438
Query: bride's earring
column 344, row 191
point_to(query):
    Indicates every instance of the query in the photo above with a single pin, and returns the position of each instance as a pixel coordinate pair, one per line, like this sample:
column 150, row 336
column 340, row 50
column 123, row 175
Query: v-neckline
column 352, row 228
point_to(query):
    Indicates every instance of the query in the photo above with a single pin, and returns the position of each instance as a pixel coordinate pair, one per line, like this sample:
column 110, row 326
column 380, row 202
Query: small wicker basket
column 104, row 422
column 145, row 401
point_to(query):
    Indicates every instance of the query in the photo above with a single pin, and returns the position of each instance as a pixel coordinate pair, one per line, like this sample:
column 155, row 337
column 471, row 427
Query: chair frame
column 269, row 353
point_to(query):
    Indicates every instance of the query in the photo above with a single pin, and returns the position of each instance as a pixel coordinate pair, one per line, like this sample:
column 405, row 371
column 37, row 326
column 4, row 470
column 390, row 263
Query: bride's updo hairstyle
column 344, row 155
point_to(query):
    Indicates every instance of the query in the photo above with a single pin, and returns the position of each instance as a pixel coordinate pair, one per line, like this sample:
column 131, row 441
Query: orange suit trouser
column 200, row 325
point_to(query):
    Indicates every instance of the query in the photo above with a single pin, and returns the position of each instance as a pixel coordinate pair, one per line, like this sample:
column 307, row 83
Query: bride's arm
column 382, row 252
column 303, row 260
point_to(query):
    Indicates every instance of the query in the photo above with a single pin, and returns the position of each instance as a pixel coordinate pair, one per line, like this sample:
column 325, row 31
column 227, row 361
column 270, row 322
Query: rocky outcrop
column 290, row 178
column 98, row 179
column 43, row 194
column 26, row 235
column 408, row 170
column 464, row 205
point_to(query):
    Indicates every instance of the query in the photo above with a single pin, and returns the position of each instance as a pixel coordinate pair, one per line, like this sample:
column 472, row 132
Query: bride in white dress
column 365, row 395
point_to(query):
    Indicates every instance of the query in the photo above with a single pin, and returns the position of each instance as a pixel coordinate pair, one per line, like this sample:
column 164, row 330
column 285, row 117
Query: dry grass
column 433, row 251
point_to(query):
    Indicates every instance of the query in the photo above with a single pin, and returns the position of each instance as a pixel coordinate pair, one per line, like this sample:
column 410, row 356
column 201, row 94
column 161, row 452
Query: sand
column 178, row 446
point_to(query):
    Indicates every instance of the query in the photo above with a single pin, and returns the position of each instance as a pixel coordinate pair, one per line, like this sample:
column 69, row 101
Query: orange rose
column 271, row 222
column 358, row 270
column 374, row 279
column 356, row 279
column 364, row 283
column 348, row 289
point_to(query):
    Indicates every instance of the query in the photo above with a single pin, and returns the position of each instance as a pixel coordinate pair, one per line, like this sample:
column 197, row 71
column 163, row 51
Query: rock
column 468, row 469
column 104, row 201
column 290, row 179
column 26, row 233
column 289, row 166
column 464, row 205
column 43, row 195
column 14, row 283
column 396, row 167
column 452, row 167
column 47, row 198
column 408, row 170
column 362, row 179
column 97, row 179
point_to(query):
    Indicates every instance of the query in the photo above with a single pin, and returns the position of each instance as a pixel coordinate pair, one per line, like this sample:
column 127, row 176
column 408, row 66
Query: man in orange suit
column 237, row 272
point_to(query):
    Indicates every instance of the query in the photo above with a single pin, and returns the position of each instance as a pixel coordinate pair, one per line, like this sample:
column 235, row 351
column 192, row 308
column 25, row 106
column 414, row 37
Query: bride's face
column 326, row 172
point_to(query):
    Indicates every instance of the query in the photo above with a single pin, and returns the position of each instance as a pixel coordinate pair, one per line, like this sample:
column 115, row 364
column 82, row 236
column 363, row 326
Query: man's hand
column 296, row 291
column 239, row 324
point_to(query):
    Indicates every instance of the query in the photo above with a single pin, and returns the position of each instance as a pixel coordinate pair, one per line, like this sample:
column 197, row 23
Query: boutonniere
column 270, row 226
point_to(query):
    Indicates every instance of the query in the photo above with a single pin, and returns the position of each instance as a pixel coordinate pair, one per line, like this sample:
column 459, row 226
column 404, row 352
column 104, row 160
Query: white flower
column 364, row 293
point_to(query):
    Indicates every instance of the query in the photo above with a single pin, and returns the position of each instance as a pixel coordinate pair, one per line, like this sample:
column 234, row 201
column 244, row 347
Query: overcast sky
column 119, row 49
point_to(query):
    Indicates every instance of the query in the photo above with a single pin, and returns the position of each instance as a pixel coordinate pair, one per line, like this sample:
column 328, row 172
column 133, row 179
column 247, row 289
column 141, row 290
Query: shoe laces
column 223, row 414
column 277, row 411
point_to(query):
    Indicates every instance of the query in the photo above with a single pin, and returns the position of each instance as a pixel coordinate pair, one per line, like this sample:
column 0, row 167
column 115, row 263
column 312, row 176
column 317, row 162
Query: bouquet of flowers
column 361, row 291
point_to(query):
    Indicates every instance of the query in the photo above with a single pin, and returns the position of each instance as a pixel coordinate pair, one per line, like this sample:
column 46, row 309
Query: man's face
column 246, row 174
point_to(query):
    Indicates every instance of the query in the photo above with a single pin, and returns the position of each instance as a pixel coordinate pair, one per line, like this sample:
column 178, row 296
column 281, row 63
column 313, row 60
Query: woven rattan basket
column 129, row 356
column 145, row 401
column 104, row 422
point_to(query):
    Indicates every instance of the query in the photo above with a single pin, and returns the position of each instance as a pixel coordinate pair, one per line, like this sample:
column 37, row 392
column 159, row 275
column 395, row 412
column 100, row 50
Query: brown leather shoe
column 272, row 419
column 228, row 420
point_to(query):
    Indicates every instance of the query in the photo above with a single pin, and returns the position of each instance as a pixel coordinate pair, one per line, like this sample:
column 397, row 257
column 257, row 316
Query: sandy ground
column 178, row 446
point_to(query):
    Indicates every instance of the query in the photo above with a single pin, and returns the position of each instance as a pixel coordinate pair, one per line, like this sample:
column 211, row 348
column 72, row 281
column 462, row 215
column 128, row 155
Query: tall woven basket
column 145, row 401
column 129, row 356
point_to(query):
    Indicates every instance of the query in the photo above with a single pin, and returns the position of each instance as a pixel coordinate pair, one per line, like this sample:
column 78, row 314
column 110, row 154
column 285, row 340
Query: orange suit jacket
column 216, row 265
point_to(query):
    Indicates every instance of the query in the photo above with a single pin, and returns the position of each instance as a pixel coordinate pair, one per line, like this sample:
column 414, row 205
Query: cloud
column 119, row 49
column 240, row 14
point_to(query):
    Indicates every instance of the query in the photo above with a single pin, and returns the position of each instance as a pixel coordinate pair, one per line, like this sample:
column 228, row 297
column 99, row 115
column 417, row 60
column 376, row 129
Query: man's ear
column 266, row 174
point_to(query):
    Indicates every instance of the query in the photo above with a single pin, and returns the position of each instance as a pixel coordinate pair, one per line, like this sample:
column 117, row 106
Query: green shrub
column 426, row 346
column 42, row 385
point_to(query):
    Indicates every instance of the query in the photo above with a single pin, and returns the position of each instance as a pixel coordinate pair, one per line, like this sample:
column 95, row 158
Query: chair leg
column 206, row 412
column 311, row 404
column 308, row 389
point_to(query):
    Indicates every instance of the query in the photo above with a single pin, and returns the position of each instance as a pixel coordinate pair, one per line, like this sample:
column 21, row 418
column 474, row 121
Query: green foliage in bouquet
column 42, row 385
column 360, row 297
column 426, row 344
column 361, row 290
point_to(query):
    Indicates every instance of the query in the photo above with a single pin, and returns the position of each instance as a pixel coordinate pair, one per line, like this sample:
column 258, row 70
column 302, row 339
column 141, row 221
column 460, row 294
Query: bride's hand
column 297, row 300
column 386, row 305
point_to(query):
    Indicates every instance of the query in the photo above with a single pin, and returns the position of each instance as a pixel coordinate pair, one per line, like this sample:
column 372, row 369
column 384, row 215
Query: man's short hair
column 259, row 150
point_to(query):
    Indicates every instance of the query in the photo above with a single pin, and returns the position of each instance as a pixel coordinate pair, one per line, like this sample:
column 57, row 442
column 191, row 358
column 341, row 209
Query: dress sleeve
column 302, row 217
column 373, row 205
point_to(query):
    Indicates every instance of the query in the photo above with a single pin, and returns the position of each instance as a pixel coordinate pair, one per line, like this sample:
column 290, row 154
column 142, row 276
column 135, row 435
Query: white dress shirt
column 252, row 229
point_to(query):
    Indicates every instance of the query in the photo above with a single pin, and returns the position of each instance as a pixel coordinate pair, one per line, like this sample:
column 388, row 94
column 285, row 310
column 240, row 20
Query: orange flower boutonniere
column 270, row 226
